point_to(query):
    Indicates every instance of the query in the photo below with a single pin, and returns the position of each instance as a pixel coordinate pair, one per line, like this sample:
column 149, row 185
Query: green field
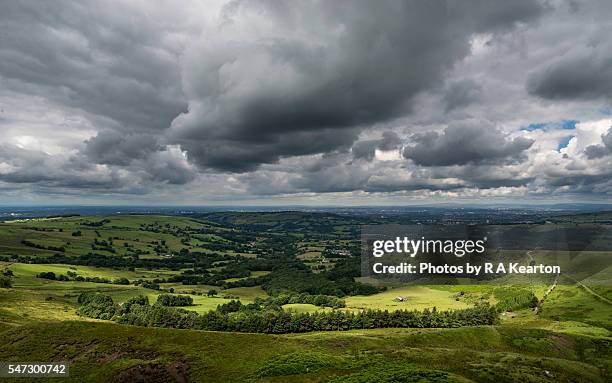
column 568, row 340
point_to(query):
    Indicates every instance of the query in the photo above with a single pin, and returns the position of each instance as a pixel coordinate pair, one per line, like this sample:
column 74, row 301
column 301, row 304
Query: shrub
column 174, row 300
column 46, row 275
column 5, row 282
column 96, row 305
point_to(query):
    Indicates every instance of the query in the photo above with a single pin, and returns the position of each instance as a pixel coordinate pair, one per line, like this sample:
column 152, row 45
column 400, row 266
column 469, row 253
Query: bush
column 46, row 275
column 174, row 300
column 230, row 307
column 96, row 305
column 134, row 301
column 5, row 282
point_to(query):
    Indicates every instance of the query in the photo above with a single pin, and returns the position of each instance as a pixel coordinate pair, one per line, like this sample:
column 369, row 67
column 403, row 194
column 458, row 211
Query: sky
column 305, row 102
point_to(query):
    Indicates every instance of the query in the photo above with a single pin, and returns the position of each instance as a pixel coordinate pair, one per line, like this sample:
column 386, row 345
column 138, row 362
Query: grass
column 571, row 303
column 58, row 232
column 417, row 298
column 100, row 352
column 25, row 272
column 34, row 298
column 568, row 341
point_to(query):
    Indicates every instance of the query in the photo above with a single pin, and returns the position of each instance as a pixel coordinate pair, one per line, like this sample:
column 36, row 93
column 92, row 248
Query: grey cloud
column 583, row 73
column 598, row 151
column 463, row 144
column 114, row 148
column 584, row 183
column 166, row 166
column 485, row 176
column 281, row 92
column 227, row 155
column 298, row 67
column 75, row 174
column 391, row 183
column 35, row 167
column 335, row 173
column 107, row 59
column 607, row 139
column 461, row 93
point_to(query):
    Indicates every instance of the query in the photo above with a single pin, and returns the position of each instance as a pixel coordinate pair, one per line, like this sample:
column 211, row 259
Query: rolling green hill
column 255, row 258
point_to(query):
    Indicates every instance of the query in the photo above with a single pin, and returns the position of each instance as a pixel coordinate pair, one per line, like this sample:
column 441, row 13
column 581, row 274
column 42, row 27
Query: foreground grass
column 100, row 352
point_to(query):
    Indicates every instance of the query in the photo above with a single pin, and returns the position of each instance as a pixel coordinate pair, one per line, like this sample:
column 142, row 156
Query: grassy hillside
column 252, row 257
column 102, row 352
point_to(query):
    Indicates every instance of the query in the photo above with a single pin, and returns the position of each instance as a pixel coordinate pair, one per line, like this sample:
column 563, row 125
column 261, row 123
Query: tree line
column 139, row 312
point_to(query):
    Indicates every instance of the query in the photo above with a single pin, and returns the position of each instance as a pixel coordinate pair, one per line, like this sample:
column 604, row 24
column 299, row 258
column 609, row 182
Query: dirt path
column 552, row 287
column 585, row 287
column 593, row 293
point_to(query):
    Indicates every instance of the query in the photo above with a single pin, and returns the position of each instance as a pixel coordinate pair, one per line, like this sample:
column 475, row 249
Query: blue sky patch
column 564, row 142
column 564, row 124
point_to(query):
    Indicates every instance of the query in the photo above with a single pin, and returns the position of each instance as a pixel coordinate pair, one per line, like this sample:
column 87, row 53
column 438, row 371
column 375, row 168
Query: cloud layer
column 305, row 101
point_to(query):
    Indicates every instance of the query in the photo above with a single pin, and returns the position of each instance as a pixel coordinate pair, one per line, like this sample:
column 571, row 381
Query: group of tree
column 174, row 300
column 147, row 284
column 277, row 303
column 95, row 223
column 60, row 249
column 138, row 312
column 294, row 298
column 72, row 276
column 298, row 278
column 108, row 261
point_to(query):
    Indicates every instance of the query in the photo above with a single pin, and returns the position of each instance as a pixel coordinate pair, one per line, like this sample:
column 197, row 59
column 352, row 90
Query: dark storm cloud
column 367, row 149
column 226, row 155
column 146, row 96
column 280, row 72
column 584, row 75
column 114, row 148
column 109, row 60
column 582, row 68
column 463, row 144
